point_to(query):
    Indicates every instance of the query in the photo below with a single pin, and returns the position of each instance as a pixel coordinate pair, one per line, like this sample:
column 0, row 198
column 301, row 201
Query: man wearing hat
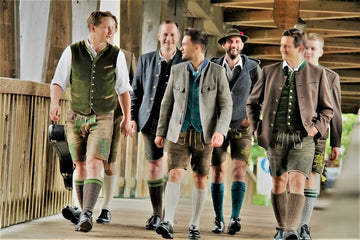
column 242, row 73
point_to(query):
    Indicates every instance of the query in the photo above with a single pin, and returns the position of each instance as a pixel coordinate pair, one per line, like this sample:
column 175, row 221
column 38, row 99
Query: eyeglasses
column 292, row 32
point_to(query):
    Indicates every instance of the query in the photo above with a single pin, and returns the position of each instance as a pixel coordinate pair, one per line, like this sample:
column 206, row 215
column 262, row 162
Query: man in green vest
column 289, row 109
column 98, row 78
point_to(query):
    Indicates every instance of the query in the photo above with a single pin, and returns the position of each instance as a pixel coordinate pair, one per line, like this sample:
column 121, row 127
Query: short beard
column 232, row 56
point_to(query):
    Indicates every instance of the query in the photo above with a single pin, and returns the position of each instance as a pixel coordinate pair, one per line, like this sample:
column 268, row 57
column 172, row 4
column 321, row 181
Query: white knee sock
column 172, row 196
column 108, row 190
column 198, row 203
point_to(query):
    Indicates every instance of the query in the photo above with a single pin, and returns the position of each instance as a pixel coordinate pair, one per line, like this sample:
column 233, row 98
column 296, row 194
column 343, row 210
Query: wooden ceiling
column 337, row 21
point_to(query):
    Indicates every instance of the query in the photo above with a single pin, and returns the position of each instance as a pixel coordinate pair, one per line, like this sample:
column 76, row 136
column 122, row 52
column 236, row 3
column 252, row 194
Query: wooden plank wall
column 30, row 184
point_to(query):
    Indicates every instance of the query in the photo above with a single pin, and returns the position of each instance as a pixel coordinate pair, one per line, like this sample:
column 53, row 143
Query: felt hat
column 233, row 32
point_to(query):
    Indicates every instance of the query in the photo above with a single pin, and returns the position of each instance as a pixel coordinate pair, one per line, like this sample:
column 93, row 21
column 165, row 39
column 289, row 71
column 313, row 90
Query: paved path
column 129, row 216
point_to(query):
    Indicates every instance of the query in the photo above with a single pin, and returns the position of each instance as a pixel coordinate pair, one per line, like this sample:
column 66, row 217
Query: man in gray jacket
column 194, row 117
column 242, row 73
column 289, row 109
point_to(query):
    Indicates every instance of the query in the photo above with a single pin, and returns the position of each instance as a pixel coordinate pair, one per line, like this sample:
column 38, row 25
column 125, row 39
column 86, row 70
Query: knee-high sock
column 279, row 204
column 310, row 199
column 79, row 190
column 108, row 190
column 237, row 197
column 172, row 196
column 198, row 202
column 295, row 207
column 155, row 192
column 92, row 189
column 217, row 195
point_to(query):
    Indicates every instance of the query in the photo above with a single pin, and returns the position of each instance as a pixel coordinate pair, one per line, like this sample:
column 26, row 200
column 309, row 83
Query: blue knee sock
column 217, row 194
column 237, row 197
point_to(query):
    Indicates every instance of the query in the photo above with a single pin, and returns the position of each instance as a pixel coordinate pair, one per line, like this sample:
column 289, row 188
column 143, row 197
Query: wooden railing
column 31, row 185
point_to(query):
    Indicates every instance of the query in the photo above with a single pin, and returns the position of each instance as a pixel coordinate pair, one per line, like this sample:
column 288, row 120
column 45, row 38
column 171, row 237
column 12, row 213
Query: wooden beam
column 305, row 6
column 130, row 36
column 210, row 14
column 246, row 16
column 8, row 40
column 60, row 35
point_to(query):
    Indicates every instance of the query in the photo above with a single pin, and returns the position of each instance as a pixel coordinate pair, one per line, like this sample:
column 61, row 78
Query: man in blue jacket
column 149, row 85
column 242, row 72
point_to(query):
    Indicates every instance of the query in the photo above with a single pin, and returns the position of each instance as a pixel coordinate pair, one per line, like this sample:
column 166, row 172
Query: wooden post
column 286, row 13
column 8, row 33
column 60, row 35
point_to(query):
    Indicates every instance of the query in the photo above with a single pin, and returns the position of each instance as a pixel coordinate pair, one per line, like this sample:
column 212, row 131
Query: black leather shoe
column 279, row 235
column 291, row 235
column 71, row 213
column 219, row 226
column 85, row 222
column 165, row 230
column 304, row 232
column 194, row 232
column 234, row 226
column 152, row 222
column 104, row 216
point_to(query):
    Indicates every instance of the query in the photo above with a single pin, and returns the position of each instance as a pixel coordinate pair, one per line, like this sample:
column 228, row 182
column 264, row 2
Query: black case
column 57, row 139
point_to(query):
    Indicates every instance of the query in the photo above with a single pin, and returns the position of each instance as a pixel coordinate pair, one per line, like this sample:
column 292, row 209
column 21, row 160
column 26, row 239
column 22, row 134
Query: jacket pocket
column 208, row 88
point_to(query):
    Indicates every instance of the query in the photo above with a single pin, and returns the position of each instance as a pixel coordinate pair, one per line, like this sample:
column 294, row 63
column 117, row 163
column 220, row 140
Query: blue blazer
column 145, row 84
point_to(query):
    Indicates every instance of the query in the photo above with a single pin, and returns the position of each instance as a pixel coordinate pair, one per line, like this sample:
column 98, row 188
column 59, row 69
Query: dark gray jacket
column 242, row 87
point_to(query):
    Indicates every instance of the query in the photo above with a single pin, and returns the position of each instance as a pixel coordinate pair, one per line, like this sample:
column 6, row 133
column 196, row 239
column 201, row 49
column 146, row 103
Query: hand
column 125, row 128
column 159, row 141
column 55, row 110
column 335, row 153
column 217, row 139
column 245, row 123
column 313, row 132
column 133, row 127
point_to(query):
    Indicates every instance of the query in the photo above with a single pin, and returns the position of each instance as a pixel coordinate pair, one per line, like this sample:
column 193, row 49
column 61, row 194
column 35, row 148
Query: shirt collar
column 240, row 63
column 163, row 58
column 285, row 64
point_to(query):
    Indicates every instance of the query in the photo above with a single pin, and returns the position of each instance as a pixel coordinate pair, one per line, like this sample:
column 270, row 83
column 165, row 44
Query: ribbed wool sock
column 295, row 207
column 217, row 195
column 310, row 199
column 237, row 197
column 198, row 202
column 108, row 190
column 279, row 204
column 172, row 196
column 92, row 189
column 79, row 186
column 155, row 192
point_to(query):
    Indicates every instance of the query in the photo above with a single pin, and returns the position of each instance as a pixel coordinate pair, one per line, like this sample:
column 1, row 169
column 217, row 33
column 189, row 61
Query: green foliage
column 348, row 121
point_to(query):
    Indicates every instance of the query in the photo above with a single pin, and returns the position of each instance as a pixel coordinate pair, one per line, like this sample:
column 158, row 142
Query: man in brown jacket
column 289, row 109
column 313, row 51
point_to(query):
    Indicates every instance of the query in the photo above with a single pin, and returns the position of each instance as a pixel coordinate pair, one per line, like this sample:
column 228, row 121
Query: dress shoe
column 234, row 226
column 71, row 213
column 291, row 235
column 194, row 232
column 152, row 222
column 219, row 226
column 104, row 216
column 304, row 232
column 279, row 235
column 85, row 222
column 165, row 230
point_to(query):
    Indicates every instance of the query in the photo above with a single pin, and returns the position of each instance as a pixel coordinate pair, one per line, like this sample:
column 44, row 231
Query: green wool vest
column 93, row 79
column 288, row 114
